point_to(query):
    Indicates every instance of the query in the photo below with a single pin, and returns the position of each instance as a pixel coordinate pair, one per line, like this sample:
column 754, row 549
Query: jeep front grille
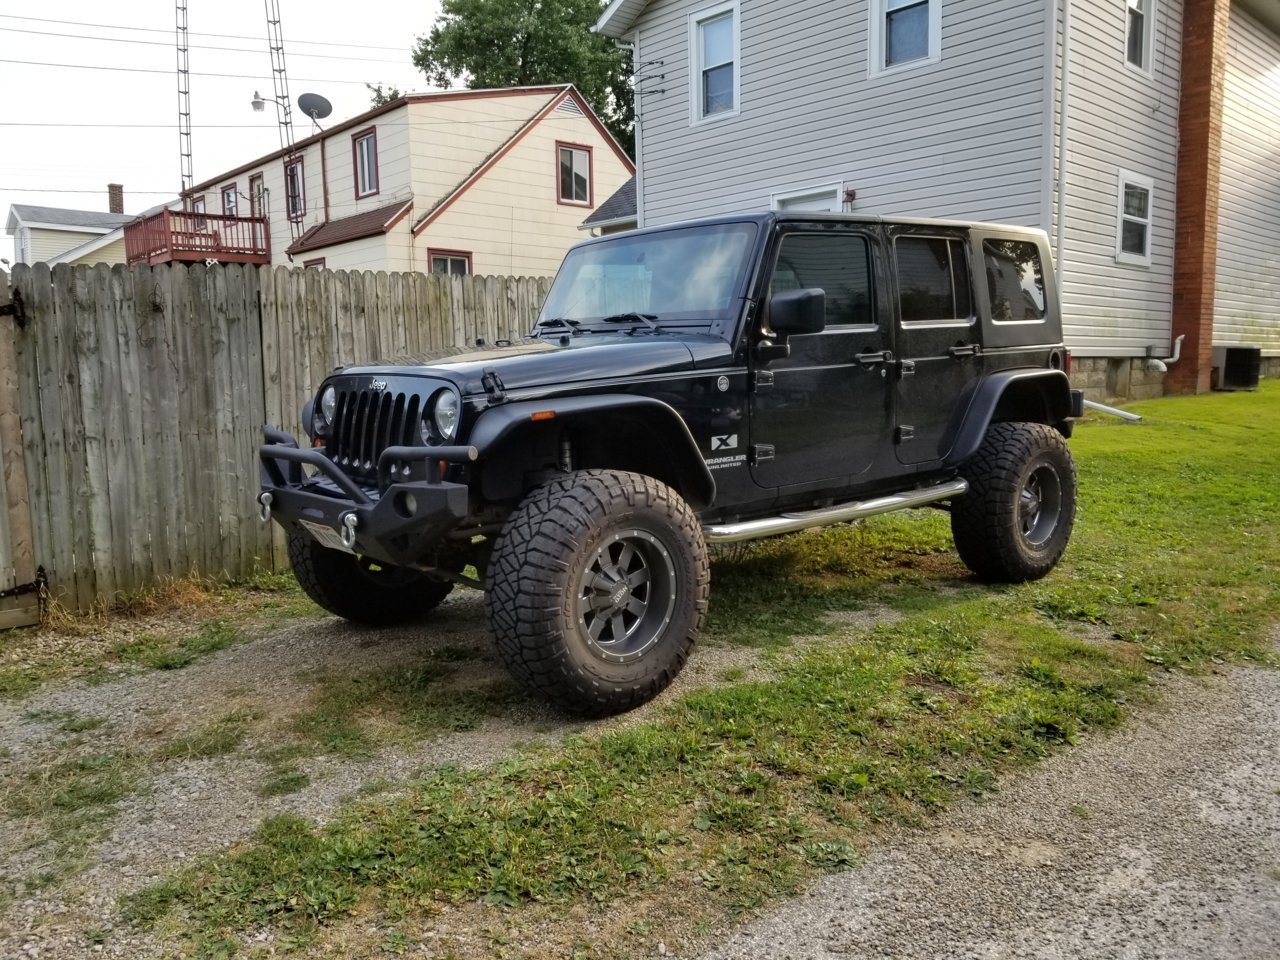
column 366, row 422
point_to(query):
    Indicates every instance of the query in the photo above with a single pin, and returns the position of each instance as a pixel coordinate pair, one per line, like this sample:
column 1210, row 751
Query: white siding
column 1119, row 119
column 1246, row 308
column 510, row 220
column 44, row 244
column 960, row 138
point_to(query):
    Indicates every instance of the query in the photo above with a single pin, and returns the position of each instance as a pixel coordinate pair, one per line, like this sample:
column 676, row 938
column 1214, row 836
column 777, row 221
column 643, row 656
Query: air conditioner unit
column 1236, row 367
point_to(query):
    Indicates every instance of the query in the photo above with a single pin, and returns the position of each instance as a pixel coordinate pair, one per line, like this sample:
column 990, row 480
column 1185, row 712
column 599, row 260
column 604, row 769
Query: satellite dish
column 315, row 106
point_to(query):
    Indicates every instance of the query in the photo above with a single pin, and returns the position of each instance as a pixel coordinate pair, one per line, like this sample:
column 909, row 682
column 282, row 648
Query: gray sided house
column 958, row 108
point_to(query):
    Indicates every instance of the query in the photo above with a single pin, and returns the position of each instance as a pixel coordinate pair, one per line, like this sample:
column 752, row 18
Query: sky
column 68, row 131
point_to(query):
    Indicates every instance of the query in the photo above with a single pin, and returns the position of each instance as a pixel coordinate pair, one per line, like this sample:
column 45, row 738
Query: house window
column 364, row 149
column 256, row 196
column 1138, row 32
column 1015, row 281
column 295, row 200
column 575, row 173
column 714, row 46
column 1133, row 219
column 904, row 33
column 449, row 263
column 197, row 207
column 317, row 263
column 229, row 200
column 933, row 280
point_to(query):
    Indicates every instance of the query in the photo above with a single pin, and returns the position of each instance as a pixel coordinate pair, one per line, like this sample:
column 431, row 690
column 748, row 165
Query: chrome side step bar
column 791, row 522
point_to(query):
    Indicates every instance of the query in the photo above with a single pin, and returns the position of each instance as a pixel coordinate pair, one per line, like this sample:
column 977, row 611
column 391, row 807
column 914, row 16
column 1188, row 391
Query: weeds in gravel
column 166, row 627
column 282, row 781
column 216, row 739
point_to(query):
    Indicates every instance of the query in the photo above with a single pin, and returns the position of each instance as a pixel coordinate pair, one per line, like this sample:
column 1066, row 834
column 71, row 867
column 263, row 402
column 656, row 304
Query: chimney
column 115, row 197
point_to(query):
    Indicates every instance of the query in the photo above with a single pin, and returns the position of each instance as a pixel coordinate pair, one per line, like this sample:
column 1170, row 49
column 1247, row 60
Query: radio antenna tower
column 275, row 41
column 184, row 95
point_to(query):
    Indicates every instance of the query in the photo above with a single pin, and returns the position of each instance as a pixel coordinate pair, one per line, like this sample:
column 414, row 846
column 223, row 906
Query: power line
column 194, row 73
column 201, row 46
column 219, row 36
column 140, row 126
column 171, row 193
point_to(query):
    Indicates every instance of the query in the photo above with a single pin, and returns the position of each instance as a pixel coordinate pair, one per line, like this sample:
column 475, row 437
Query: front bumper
column 397, row 523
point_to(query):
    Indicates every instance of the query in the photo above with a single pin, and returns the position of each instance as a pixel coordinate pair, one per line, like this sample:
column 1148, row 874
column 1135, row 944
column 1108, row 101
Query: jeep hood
column 532, row 363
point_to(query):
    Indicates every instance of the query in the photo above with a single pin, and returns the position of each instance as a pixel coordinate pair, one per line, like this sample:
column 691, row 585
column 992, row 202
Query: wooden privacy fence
column 132, row 400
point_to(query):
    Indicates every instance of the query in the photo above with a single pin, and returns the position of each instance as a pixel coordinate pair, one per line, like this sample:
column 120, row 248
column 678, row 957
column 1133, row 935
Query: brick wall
column 1204, row 66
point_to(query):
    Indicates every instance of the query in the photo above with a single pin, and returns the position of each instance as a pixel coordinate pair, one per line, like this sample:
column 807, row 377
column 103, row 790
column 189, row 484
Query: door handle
column 906, row 368
column 964, row 350
column 874, row 358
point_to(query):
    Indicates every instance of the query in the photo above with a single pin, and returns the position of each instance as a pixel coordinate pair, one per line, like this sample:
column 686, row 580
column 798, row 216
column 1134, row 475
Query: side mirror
column 798, row 311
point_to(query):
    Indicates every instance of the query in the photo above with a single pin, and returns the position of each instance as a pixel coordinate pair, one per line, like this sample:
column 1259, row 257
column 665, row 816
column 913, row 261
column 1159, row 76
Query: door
column 822, row 413
column 938, row 341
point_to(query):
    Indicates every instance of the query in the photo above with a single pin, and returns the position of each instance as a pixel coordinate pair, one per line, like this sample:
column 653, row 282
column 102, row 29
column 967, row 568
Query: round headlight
column 444, row 414
column 328, row 405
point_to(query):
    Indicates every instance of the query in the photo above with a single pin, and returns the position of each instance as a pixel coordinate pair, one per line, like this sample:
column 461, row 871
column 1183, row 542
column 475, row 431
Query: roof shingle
column 370, row 223
column 89, row 219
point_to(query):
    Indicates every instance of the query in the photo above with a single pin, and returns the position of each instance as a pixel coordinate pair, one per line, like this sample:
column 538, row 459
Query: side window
column 903, row 33
column 838, row 263
column 713, row 57
column 933, row 280
column 1139, row 30
column 1015, row 281
column 1133, row 219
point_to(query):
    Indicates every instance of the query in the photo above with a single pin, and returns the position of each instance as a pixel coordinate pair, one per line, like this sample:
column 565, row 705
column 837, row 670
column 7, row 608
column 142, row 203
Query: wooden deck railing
column 183, row 235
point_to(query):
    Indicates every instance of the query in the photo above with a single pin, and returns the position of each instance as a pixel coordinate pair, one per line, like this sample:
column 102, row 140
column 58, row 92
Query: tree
column 506, row 43
column 379, row 95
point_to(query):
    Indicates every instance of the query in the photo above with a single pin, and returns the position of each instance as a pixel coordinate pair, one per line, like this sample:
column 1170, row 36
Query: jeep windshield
column 685, row 278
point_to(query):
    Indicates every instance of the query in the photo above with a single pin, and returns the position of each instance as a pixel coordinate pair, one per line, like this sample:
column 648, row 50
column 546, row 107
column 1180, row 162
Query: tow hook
column 349, row 521
column 264, row 506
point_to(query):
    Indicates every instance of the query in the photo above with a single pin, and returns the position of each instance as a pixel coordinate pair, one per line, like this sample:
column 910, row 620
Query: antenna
column 316, row 107
column 284, row 110
column 184, row 95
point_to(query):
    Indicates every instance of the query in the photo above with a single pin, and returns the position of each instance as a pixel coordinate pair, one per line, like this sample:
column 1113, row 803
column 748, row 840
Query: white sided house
column 1163, row 206
column 456, row 182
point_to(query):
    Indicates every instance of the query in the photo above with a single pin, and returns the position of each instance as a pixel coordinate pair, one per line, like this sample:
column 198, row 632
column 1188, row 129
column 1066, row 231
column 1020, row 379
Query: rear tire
column 597, row 589
column 361, row 590
column 1014, row 523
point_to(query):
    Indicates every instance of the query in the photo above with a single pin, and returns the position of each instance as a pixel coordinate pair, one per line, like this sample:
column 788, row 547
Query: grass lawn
column 735, row 795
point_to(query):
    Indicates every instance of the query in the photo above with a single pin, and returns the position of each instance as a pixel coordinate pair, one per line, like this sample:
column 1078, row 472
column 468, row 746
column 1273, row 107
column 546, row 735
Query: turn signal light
column 543, row 415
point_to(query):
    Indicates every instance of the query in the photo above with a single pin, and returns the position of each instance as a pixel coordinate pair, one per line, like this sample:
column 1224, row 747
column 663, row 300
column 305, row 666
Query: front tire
column 597, row 590
column 361, row 590
column 1014, row 523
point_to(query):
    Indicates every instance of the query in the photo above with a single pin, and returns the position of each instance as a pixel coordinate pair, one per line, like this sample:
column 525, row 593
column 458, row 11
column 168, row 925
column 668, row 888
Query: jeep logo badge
column 378, row 385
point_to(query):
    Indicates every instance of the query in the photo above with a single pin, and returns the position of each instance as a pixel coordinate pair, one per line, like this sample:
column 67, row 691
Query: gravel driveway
column 1160, row 841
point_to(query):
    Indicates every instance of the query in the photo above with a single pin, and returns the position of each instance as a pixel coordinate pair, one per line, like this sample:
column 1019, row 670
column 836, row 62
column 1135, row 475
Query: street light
column 258, row 103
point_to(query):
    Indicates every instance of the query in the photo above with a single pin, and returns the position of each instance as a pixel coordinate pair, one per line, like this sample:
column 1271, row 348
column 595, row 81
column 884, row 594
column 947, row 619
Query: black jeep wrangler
column 700, row 383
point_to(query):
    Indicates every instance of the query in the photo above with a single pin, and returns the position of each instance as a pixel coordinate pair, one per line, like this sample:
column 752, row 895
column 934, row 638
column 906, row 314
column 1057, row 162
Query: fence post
column 17, row 552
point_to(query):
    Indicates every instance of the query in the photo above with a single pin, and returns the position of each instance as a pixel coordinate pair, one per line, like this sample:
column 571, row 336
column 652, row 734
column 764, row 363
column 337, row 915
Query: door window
column 838, row 263
column 933, row 280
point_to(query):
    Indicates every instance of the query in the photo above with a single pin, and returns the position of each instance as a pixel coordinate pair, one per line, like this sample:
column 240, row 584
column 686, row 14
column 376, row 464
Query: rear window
column 933, row 280
column 1015, row 281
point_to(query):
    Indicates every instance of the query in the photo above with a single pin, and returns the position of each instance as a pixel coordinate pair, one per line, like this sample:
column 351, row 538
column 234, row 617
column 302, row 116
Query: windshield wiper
column 549, row 322
column 645, row 318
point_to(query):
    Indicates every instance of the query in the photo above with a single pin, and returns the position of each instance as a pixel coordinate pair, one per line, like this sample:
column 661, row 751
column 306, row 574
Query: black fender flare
column 502, row 425
column 1052, row 386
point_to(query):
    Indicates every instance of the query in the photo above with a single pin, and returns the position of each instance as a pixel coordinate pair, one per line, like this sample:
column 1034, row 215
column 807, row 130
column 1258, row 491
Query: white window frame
column 836, row 190
column 1148, row 39
column 696, row 20
column 1126, row 178
column 877, row 37
column 364, row 149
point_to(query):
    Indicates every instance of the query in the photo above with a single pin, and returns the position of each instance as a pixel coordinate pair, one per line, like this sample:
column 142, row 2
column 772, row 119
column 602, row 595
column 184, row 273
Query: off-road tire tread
column 983, row 520
column 525, row 590
column 331, row 579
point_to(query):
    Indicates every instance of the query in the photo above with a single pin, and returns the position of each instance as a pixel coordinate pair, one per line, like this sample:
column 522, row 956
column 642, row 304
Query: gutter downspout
column 1064, row 84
